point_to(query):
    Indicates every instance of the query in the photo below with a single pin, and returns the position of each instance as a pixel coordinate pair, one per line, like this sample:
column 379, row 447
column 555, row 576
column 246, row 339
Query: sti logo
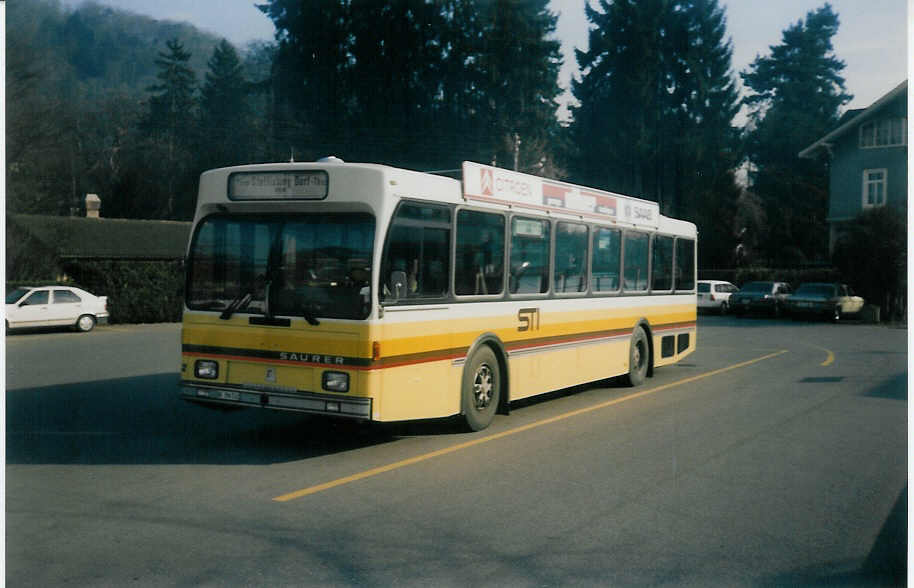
column 487, row 182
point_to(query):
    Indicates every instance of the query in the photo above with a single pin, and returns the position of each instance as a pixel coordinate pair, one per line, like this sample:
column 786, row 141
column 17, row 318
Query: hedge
column 137, row 291
column 793, row 276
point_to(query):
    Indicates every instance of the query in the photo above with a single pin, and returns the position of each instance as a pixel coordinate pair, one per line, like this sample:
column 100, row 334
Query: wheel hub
column 636, row 355
column 482, row 387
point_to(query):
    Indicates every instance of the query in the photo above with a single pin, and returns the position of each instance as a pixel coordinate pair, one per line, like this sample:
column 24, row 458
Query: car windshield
column 307, row 265
column 815, row 290
column 13, row 296
column 704, row 287
column 757, row 287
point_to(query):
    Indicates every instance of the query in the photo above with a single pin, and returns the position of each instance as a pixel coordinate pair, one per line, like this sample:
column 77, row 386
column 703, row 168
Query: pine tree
column 225, row 121
column 797, row 92
column 171, row 106
column 171, row 127
column 311, row 80
column 422, row 83
column 396, row 80
column 655, row 106
column 518, row 63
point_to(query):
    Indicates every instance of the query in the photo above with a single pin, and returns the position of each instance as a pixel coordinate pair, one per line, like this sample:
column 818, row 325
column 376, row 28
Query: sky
column 871, row 40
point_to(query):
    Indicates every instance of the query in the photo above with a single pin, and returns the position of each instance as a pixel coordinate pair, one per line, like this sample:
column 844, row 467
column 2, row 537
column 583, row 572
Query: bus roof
column 333, row 180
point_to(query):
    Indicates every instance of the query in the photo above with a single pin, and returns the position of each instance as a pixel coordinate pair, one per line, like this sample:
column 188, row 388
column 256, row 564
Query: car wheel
column 85, row 323
column 639, row 355
column 724, row 308
column 836, row 314
column 481, row 389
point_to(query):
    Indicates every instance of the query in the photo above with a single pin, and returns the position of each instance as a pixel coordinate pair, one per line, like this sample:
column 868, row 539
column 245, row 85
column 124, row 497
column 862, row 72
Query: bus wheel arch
column 487, row 349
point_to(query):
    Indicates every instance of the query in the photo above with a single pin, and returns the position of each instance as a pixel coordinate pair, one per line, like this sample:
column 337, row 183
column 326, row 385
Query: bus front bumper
column 353, row 407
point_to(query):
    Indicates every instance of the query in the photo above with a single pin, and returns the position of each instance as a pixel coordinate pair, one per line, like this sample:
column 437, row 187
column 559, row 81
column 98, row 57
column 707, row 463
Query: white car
column 49, row 306
column 715, row 295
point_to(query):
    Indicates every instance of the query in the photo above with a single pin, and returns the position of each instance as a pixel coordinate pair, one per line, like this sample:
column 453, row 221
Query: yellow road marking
column 829, row 355
column 453, row 448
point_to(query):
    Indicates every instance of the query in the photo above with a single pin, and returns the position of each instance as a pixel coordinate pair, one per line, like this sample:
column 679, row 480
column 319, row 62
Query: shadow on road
column 886, row 564
column 143, row 420
column 895, row 388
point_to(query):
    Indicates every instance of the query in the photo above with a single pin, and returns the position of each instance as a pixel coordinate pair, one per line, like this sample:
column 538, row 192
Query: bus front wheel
column 639, row 354
column 481, row 389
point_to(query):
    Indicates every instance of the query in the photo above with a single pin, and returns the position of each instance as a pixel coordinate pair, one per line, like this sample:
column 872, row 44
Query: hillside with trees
column 105, row 101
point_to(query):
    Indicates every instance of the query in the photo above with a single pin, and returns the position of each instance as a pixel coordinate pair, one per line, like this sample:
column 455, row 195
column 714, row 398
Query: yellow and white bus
column 384, row 294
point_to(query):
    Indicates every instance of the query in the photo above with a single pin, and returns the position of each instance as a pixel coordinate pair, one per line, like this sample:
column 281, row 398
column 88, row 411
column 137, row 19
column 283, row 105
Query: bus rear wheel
column 639, row 354
column 481, row 389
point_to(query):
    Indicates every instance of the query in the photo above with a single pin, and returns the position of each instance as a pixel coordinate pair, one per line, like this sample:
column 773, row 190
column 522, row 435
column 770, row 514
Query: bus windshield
column 306, row 265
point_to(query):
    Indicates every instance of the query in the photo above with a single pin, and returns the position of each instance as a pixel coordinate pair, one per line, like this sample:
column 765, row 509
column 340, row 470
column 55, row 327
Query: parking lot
column 774, row 455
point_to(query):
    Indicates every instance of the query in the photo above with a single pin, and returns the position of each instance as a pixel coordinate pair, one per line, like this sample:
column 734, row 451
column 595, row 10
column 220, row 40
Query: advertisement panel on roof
column 492, row 184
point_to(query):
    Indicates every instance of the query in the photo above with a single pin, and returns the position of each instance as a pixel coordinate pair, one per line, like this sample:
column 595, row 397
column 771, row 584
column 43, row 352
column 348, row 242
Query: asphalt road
column 775, row 455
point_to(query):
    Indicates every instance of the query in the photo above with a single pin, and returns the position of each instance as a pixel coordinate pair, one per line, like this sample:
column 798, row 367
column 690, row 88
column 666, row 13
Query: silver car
column 714, row 295
column 50, row 306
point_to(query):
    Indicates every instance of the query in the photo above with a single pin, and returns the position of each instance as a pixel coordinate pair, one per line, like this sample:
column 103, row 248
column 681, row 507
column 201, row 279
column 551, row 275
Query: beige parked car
column 825, row 300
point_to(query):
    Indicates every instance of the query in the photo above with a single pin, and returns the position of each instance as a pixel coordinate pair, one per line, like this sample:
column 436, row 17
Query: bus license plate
column 228, row 395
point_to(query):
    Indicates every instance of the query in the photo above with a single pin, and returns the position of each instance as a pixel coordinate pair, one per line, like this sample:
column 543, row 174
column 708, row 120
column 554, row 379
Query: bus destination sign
column 278, row 185
column 492, row 184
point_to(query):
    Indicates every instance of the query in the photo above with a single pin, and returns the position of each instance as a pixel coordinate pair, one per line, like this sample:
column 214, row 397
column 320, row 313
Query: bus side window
column 570, row 257
column 529, row 264
column 685, row 265
column 636, row 252
column 415, row 263
column 662, row 264
column 480, row 256
column 607, row 246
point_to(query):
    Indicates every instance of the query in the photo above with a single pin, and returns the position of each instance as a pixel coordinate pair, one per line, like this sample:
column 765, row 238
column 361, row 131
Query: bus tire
column 639, row 355
column 481, row 389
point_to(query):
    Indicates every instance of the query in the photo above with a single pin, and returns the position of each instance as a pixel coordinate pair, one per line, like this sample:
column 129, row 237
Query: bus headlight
column 335, row 382
column 207, row 369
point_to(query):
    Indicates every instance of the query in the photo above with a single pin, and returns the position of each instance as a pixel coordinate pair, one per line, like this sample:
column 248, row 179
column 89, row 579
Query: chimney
column 93, row 204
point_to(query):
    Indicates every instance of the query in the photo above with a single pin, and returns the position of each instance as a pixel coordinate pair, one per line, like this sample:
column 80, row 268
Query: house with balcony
column 868, row 160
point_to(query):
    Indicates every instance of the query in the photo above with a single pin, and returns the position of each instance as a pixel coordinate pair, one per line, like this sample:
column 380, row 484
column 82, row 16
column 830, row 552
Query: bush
column 137, row 291
column 873, row 257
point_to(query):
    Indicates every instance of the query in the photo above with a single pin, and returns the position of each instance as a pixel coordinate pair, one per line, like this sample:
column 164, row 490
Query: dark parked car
column 824, row 299
column 767, row 297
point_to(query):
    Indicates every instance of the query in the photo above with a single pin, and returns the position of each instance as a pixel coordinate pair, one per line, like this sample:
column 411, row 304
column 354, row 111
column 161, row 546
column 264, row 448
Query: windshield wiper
column 312, row 320
column 237, row 304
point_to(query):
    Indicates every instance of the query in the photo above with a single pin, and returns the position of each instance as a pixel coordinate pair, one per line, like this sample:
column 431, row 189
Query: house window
column 874, row 181
column 886, row 132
